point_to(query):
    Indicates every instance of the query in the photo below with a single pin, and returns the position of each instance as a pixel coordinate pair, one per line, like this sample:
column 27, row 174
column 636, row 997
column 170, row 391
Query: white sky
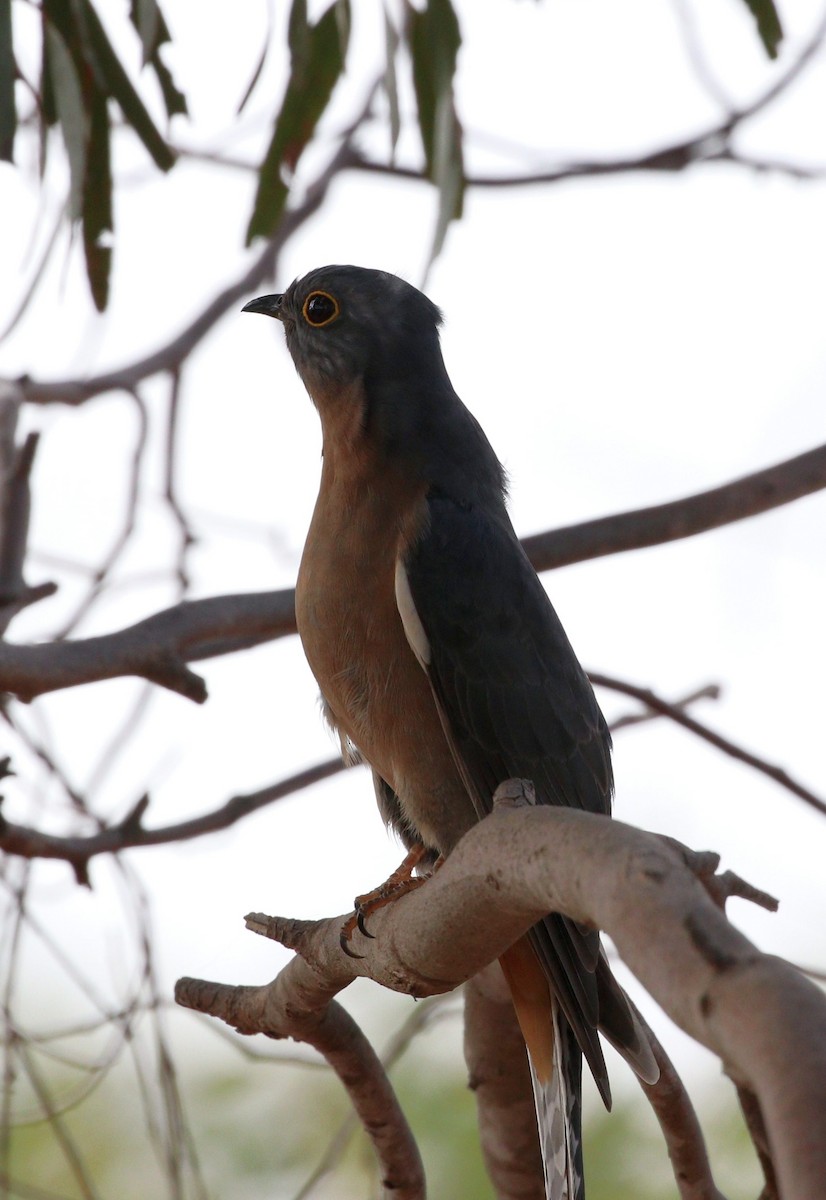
column 623, row 341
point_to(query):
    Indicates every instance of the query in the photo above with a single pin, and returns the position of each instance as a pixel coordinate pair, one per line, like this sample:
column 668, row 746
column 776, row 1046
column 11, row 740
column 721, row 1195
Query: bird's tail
column 556, row 1071
column 558, row 1101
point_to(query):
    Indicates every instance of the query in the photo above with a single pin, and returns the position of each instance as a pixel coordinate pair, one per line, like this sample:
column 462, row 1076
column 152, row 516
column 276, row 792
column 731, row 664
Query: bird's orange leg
column 397, row 885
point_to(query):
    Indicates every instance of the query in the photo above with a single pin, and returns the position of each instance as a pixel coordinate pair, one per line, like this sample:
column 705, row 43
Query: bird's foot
column 397, row 885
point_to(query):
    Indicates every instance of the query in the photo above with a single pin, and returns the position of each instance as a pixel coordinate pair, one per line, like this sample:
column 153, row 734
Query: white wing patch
column 413, row 628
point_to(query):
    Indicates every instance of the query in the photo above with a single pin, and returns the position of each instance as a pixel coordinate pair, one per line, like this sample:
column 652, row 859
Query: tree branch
column 28, row 842
column 758, row 1014
column 638, row 528
column 169, row 358
column 651, row 700
column 299, row 1004
column 158, row 647
column 78, row 851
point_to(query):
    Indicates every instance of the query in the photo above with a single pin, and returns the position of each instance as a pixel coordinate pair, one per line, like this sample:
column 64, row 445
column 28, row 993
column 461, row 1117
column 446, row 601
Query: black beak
column 270, row 306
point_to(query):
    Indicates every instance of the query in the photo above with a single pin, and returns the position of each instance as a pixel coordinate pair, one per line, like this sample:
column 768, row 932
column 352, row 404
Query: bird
column 440, row 659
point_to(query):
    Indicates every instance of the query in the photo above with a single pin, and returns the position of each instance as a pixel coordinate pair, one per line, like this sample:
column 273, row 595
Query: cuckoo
column 440, row 659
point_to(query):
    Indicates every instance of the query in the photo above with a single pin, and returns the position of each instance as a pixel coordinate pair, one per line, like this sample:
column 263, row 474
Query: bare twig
column 78, row 851
column 711, row 691
column 15, row 508
column 101, row 574
column 186, row 536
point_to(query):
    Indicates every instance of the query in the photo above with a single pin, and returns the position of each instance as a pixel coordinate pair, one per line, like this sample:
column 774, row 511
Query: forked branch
column 755, row 1012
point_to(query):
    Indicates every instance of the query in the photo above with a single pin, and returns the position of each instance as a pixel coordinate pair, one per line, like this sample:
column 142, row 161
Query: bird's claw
column 361, row 922
column 347, row 932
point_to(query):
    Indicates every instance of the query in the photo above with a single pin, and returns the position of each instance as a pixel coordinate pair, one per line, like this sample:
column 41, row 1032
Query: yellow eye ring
column 319, row 309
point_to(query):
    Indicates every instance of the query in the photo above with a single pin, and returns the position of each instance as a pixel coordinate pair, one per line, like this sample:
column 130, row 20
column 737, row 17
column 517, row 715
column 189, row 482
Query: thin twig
column 186, row 536
column 130, row 832
column 711, row 691
column 649, row 698
column 100, row 575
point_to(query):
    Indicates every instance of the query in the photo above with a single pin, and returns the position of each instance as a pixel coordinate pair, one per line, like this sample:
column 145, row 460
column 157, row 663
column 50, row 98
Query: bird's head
column 347, row 323
column 366, row 345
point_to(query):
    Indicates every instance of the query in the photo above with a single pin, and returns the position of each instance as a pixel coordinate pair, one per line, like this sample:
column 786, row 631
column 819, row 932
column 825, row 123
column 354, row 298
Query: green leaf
column 71, row 112
column 434, row 40
column 391, row 46
column 97, row 204
column 448, row 172
column 146, row 17
column 768, row 24
column 107, row 65
column 8, row 112
column 47, row 102
column 317, row 56
column 149, row 21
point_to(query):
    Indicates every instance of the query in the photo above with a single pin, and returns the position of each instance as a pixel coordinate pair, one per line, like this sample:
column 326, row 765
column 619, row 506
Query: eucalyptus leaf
column 174, row 99
column 434, row 40
column 97, row 204
column 104, row 60
column 71, row 113
column 769, row 27
column 146, row 18
column 8, row 112
column 391, row 87
column 318, row 54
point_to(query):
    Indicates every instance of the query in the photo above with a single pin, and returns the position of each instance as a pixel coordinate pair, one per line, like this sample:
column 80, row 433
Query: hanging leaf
column 97, row 204
column 71, row 112
column 149, row 21
column 146, row 17
column 8, row 112
column 112, row 77
column 317, row 55
column 768, row 24
column 391, row 46
column 434, row 40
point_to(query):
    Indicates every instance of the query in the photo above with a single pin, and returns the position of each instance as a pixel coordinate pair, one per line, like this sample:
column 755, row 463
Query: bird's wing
column 501, row 663
column 514, row 702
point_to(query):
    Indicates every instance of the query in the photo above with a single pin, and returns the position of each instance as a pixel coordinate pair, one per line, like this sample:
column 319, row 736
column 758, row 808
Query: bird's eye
column 320, row 309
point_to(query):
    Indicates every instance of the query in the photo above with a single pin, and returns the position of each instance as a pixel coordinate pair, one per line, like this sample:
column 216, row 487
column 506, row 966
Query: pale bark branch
column 759, row 1015
column 299, row 1004
column 680, row 1127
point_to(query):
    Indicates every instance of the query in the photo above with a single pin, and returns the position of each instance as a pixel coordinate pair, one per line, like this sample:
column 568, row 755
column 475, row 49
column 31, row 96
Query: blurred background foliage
column 265, row 1125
